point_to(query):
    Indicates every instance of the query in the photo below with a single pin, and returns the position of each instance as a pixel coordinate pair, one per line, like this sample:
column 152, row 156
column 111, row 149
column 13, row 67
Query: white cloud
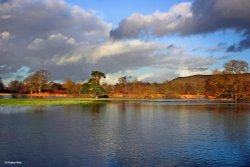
column 48, row 35
column 5, row 36
column 69, row 59
column 36, row 44
column 166, row 67
column 112, row 78
column 69, row 41
column 54, row 40
column 187, row 72
column 186, row 18
column 157, row 24
column 114, row 48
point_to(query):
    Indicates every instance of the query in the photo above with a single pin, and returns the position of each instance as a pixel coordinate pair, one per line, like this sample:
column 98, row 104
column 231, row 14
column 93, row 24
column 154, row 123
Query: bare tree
column 229, row 83
column 37, row 81
column 16, row 86
column 237, row 85
column 1, row 85
column 236, row 67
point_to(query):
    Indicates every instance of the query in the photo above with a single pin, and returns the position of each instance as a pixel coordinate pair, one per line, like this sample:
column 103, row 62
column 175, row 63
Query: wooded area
column 231, row 83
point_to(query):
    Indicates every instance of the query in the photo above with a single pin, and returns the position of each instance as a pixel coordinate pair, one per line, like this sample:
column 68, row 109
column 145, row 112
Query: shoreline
column 75, row 101
column 51, row 96
column 43, row 102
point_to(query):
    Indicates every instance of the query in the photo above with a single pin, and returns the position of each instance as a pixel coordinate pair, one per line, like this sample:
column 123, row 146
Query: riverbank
column 73, row 101
column 48, row 102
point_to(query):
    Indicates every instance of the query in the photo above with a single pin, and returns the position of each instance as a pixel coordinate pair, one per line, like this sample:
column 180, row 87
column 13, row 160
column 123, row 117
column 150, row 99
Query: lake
column 128, row 133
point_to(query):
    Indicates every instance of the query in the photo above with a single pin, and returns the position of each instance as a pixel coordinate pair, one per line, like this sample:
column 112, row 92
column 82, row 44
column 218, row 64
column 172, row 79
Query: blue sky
column 113, row 11
column 147, row 40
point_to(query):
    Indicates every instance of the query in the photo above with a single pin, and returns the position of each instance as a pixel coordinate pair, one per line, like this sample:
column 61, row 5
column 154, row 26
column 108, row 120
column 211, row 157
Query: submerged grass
column 46, row 102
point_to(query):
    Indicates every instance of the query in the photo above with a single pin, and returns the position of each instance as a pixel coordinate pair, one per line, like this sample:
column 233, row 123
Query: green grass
column 61, row 101
column 46, row 102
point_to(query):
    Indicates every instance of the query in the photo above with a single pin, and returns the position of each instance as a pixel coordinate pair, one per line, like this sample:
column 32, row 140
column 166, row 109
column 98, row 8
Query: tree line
column 39, row 82
column 232, row 82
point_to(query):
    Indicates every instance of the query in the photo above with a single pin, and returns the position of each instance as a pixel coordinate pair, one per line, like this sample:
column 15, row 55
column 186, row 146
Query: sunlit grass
column 63, row 101
column 57, row 101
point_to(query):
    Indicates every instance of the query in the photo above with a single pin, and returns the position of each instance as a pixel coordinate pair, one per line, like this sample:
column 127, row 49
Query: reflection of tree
column 236, row 124
column 68, row 109
column 122, row 106
column 38, row 109
column 232, row 119
column 113, row 130
column 96, row 108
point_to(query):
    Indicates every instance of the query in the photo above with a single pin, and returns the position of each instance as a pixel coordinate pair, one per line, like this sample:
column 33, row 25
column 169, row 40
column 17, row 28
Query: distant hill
column 201, row 78
column 198, row 84
column 189, row 85
column 195, row 79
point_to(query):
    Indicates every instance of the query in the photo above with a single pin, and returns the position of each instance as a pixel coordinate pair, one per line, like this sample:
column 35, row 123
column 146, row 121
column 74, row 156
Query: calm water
column 126, row 134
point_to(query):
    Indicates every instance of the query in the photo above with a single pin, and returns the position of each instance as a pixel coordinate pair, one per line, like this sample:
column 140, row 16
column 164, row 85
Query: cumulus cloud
column 5, row 36
column 157, row 24
column 170, row 67
column 188, row 18
column 156, row 75
column 36, row 34
column 167, row 64
column 114, row 48
column 54, row 40
column 42, row 18
column 191, row 18
column 69, row 42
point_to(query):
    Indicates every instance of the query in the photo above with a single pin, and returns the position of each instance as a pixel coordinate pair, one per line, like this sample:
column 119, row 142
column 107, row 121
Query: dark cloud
column 200, row 69
column 187, row 19
column 3, row 1
column 69, row 42
column 242, row 45
column 43, row 18
column 34, row 34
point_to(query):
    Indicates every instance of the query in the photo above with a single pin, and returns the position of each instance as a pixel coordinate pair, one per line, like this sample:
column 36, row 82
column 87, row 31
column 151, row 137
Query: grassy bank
column 71, row 101
column 62, row 101
column 57, row 101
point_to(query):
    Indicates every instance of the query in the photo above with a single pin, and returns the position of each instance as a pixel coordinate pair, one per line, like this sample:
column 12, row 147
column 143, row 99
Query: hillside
column 212, row 85
column 189, row 85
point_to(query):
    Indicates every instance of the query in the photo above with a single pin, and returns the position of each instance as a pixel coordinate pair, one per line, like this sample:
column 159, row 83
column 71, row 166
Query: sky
column 151, row 41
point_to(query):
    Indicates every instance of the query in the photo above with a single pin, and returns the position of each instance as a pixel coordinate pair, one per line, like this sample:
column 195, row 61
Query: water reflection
column 127, row 134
